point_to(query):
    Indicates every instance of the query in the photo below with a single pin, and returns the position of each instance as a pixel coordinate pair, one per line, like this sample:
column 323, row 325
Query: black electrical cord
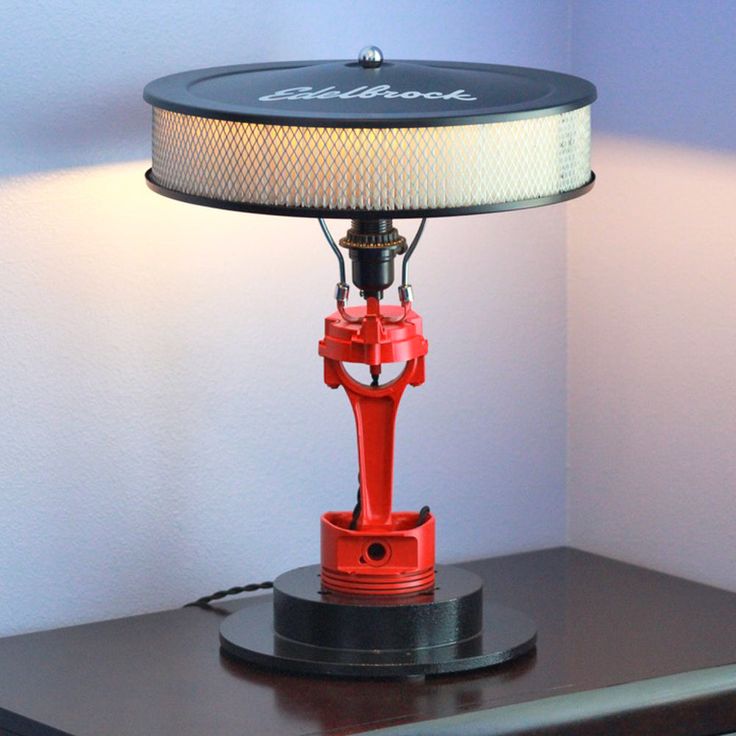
column 204, row 601
column 356, row 511
column 423, row 515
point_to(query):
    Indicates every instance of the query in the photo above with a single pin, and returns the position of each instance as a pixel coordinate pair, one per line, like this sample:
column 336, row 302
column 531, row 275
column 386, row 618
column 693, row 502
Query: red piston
column 393, row 561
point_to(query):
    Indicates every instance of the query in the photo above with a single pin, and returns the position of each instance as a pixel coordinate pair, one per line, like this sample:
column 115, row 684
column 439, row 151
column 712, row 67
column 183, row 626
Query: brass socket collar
column 390, row 239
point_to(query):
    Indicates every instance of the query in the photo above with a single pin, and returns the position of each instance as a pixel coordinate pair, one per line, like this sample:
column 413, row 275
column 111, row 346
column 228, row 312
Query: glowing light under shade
column 400, row 168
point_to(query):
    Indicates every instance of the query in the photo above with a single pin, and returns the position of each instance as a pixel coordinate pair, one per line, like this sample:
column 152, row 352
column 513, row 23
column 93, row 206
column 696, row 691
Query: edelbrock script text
column 362, row 93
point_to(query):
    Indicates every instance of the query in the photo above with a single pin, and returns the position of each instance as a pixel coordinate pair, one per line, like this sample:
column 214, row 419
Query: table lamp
column 373, row 141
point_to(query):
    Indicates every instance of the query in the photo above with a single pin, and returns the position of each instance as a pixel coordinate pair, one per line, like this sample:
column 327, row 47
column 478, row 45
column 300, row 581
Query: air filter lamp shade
column 384, row 155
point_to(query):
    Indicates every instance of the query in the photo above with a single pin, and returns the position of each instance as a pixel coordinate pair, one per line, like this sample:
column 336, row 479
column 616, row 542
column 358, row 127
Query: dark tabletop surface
column 600, row 623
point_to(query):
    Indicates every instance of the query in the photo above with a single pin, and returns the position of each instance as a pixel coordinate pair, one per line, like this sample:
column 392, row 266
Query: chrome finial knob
column 370, row 57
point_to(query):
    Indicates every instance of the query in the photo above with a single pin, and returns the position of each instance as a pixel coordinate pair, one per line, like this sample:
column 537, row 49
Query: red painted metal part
column 388, row 552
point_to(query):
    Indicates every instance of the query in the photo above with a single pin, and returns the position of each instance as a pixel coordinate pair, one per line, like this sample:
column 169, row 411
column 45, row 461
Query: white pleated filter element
column 382, row 169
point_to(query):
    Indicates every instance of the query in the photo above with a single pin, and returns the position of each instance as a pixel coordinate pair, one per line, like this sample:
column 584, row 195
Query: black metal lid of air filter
column 370, row 94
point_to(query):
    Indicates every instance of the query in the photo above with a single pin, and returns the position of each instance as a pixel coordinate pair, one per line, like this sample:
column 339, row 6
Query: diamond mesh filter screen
column 385, row 169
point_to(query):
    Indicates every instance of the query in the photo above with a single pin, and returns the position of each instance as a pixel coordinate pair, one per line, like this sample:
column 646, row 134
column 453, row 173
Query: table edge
column 590, row 707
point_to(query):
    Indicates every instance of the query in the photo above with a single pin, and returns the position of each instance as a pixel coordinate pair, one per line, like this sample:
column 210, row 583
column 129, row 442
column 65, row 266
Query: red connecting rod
column 375, row 550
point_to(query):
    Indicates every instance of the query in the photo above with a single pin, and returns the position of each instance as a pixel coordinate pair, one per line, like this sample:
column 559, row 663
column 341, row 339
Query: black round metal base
column 303, row 630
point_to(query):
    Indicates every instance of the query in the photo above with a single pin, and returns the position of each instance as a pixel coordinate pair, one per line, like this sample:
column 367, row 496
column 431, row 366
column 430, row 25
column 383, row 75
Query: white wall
column 652, row 291
column 652, row 360
column 165, row 430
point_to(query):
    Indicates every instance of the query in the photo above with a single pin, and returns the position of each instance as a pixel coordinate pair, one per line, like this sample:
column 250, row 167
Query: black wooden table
column 621, row 650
